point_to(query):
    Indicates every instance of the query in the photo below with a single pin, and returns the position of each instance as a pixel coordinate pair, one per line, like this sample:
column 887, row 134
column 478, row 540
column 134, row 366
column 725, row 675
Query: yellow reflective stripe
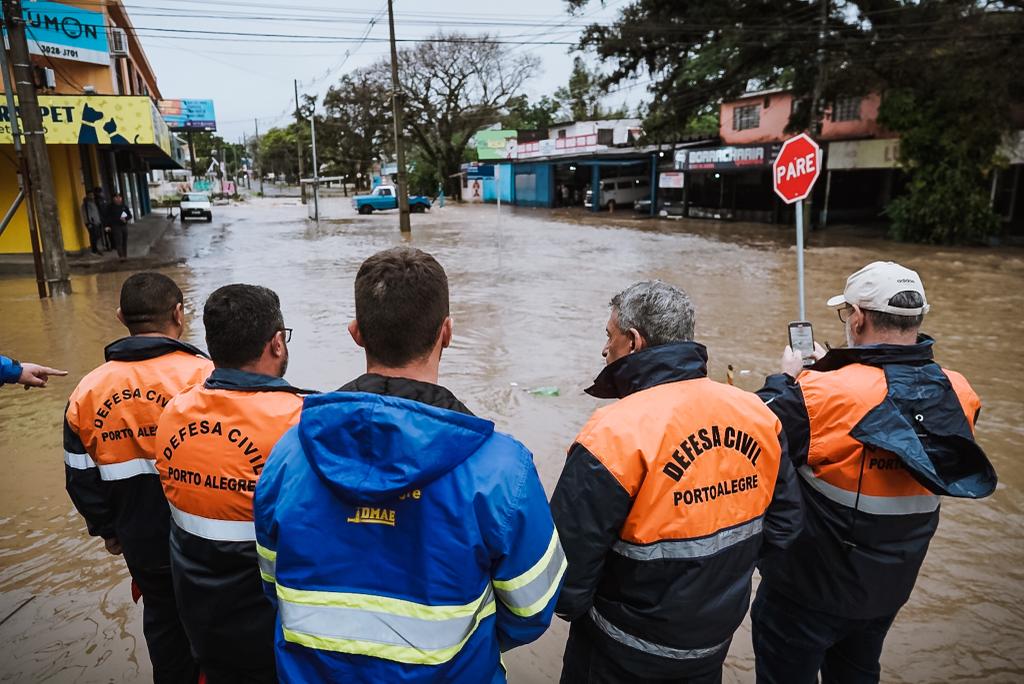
column 269, row 579
column 380, row 604
column 266, row 553
column 401, row 654
column 539, row 605
column 532, row 573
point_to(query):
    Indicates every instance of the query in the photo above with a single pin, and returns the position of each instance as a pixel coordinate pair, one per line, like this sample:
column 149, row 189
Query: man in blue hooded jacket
column 402, row 538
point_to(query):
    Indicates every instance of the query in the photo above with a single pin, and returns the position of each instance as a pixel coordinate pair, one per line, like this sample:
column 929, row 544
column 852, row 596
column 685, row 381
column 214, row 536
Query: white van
column 620, row 191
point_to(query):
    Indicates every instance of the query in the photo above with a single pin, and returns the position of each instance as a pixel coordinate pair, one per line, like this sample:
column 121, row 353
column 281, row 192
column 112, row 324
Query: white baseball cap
column 874, row 285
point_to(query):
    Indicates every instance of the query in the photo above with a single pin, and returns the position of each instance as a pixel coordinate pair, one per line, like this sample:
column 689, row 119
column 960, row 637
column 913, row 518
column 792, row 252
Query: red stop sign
column 796, row 168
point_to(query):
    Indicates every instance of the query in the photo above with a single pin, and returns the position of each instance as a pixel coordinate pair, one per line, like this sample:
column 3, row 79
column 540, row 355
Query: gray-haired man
column 668, row 498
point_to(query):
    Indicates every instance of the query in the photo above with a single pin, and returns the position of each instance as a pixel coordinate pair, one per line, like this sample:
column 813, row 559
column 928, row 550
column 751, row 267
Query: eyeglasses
column 845, row 313
column 287, row 334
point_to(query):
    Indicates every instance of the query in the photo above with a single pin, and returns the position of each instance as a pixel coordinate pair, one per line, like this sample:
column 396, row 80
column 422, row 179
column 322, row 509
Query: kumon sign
column 62, row 31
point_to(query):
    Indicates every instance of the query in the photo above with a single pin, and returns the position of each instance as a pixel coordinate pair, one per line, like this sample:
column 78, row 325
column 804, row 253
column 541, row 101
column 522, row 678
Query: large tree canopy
column 945, row 68
column 452, row 86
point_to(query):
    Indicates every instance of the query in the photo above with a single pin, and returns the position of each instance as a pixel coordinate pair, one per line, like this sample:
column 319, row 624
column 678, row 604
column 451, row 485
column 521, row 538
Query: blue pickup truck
column 384, row 197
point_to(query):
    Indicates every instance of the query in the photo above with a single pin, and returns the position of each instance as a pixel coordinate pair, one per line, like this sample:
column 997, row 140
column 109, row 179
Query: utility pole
column 817, row 106
column 316, row 169
column 192, row 154
column 403, row 199
column 298, row 129
column 258, row 163
column 55, row 261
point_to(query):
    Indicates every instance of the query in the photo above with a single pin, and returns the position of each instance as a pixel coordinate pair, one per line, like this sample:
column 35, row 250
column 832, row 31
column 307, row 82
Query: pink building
column 762, row 118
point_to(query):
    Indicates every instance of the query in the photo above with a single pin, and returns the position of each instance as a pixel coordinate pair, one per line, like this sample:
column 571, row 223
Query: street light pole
column 40, row 175
column 403, row 198
column 258, row 163
column 316, row 169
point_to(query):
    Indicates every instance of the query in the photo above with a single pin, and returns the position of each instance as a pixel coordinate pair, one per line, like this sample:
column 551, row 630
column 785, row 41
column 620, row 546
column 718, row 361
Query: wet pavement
column 529, row 297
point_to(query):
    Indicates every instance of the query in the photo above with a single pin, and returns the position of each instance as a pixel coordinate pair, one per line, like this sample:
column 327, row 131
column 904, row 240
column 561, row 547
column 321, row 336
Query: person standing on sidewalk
column 668, row 498
column 212, row 443
column 878, row 432
column 110, row 470
column 115, row 219
column 93, row 221
column 402, row 537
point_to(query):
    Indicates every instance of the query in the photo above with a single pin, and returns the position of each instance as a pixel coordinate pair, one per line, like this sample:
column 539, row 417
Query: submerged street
column 529, row 292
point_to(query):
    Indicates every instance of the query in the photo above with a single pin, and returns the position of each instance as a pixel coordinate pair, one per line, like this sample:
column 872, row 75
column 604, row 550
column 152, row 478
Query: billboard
column 189, row 115
column 492, row 145
column 96, row 120
column 61, row 31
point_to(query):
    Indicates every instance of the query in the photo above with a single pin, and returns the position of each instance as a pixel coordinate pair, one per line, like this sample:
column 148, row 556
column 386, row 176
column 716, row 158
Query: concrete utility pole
column 55, row 262
column 258, row 163
column 316, row 169
column 298, row 129
column 403, row 198
column 817, row 106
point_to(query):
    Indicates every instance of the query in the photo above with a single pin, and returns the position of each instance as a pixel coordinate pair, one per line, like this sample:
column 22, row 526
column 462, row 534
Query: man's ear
column 637, row 340
column 277, row 345
column 120, row 317
column 179, row 315
column 353, row 330
column 446, row 332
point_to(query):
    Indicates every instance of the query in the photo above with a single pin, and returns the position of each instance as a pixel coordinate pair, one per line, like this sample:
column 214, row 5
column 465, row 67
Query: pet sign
column 61, row 31
column 94, row 120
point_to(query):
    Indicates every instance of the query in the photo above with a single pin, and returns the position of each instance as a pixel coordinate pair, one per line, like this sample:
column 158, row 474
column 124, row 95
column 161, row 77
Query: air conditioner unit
column 118, row 42
column 50, row 78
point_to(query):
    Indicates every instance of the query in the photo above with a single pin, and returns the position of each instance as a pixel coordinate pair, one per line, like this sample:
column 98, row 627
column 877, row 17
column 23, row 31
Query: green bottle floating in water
column 545, row 391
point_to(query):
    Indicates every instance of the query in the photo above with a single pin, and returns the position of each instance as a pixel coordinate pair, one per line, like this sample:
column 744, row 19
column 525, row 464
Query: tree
column 580, row 99
column 356, row 124
column 967, row 54
column 452, row 86
column 522, row 115
column 277, row 152
column 209, row 146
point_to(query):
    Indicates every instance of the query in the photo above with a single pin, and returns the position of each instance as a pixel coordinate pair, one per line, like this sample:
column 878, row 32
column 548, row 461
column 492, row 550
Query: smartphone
column 801, row 338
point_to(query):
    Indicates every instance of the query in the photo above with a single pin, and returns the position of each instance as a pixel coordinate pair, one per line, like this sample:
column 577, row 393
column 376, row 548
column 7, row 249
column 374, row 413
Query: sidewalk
column 142, row 236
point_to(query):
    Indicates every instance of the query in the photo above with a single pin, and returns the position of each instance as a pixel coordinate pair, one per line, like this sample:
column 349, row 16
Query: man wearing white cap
column 877, row 431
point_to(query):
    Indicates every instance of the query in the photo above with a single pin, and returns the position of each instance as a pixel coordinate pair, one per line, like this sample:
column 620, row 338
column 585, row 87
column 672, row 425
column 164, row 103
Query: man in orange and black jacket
column 109, row 433
column 667, row 500
column 877, row 431
column 212, row 443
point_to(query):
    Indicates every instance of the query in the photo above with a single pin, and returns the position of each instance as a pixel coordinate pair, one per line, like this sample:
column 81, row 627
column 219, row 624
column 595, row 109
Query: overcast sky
column 251, row 75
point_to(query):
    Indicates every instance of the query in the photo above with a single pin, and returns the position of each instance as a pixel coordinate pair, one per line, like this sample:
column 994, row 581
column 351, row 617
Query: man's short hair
column 660, row 312
column 240, row 320
column 148, row 301
column 908, row 299
column 401, row 303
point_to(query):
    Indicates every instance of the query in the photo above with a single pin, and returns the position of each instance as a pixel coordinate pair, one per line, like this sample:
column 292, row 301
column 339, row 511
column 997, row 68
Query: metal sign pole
column 800, row 256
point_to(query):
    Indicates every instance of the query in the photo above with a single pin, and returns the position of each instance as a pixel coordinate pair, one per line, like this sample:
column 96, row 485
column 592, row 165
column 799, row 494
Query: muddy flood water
column 529, row 298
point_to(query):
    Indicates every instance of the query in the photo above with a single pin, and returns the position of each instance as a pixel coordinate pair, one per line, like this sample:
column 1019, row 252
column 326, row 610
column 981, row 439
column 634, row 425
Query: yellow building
column 102, row 127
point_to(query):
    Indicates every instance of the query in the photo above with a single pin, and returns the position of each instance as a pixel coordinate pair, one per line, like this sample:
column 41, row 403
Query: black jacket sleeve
column 784, row 518
column 589, row 507
column 782, row 395
column 89, row 493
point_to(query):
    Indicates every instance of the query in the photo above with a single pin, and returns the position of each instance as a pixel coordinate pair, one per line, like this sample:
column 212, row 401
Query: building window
column 561, row 133
column 846, row 109
column 744, row 118
column 605, row 136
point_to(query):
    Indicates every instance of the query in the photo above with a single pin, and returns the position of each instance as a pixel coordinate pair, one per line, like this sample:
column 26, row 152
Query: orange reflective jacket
column 109, row 433
column 663, row 506
column 212, row 442
column 870, row 518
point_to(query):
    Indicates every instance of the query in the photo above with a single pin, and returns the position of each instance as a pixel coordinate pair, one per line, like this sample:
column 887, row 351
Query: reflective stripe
column 690, row 548
column 78, row 461
column 211, row 528
column 877, row 505
column 529, row 593
column 268, row 563
column 651, row 647
column 126, row 469
column 379, row 626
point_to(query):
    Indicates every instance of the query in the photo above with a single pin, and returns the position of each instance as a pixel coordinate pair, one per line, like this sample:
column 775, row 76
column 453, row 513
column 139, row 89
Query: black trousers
column 119, row 234
column 95, row 236
column 168, row 646
column 585, row 662
column 793, row 643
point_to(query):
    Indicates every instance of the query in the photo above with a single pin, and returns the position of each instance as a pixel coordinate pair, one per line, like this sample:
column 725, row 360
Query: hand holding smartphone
column 801, row 339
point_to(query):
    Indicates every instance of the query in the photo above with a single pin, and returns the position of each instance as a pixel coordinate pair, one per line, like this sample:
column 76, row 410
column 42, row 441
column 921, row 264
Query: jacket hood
column 918, row 354
column 371, row 447
column 140, row 348
column 652, row 366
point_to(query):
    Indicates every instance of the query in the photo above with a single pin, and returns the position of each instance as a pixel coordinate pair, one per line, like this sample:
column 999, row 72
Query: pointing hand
column 34, row 375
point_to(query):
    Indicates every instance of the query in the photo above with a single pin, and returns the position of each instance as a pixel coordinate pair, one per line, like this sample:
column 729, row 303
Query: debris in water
column 544, row 391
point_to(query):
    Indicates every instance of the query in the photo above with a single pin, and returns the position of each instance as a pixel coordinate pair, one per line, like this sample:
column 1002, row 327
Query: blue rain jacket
column 10, row 370
column 402, row 542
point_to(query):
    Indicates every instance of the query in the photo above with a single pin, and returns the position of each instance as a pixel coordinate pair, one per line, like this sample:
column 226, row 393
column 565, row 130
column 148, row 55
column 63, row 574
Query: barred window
column 846, row 109
column 746, row 117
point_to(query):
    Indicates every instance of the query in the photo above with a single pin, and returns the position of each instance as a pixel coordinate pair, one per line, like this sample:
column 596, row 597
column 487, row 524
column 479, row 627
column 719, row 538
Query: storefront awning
column 126, row 122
